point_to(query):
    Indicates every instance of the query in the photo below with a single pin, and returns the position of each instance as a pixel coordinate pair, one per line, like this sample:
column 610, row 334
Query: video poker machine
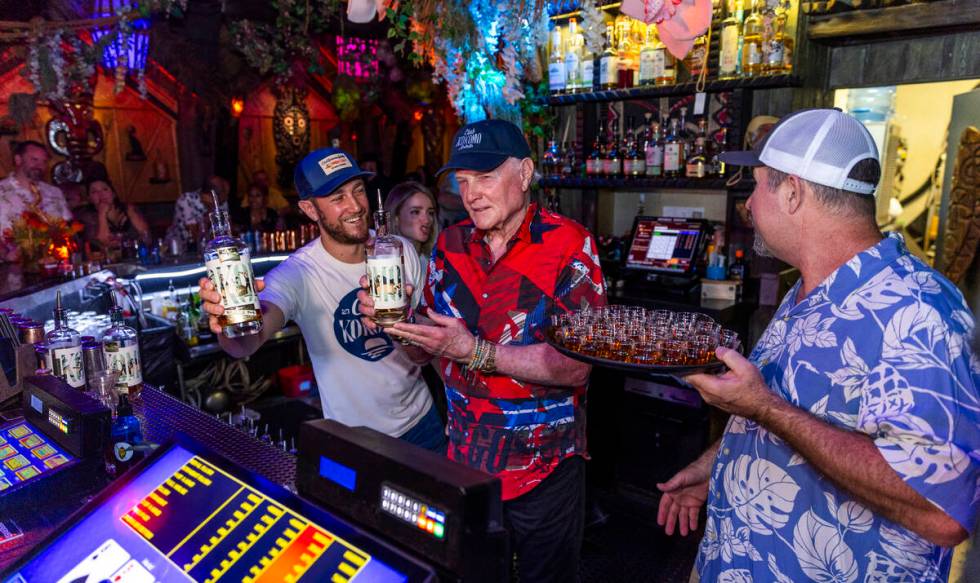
column 370, row 509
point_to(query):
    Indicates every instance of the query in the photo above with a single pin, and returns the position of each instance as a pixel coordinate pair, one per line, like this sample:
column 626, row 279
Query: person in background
column 108, row 220
column 258, row 216
column 413, row 211
column 25, row 190
column 364, row 377
column 380, row 181
column 191, row 219
column 451, row 209
column 852, row 449
column 275, row 199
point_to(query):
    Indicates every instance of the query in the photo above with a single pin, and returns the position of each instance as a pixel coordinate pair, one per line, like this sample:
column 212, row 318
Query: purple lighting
column 357, row 57
column 129, row 50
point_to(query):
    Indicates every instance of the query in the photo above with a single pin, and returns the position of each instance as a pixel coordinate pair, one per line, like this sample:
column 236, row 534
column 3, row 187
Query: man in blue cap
column 363, row 376
column 516, row 407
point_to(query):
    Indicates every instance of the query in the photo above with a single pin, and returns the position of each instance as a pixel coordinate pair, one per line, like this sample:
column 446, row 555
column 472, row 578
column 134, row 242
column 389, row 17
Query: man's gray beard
column 759, row 246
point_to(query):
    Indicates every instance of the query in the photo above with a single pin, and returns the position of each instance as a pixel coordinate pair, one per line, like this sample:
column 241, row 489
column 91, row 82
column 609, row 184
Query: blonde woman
column 413, row 215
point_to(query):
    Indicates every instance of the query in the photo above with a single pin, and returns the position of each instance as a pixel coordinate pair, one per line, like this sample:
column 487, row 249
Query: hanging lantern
column 237, row 106
column 130, row 48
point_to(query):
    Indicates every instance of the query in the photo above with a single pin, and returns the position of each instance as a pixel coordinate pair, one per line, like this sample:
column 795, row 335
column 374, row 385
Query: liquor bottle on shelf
column 729, row 61
column 624, row 52
column 737, row 269
column 664, row 64
column 593, row 163
column 752, row 41
column 647, row 57
column 653, row 149
column 587, row 68
column 556, row 64
column 634, row 164
column 229, row 267
column 609, row 62
column 64, row 356
column 673, row 151
column 613, row 162
column 718, row 167
column 121, row 347
column 685, row 136
column 549, row 160
column 777, row 47
column 573, row 58
column 694, row 60
column 697, row 162
column 569, row 161
column 386, row 271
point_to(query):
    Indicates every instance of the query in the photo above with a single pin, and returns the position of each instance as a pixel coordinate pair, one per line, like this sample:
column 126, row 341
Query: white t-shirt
column 364, row 379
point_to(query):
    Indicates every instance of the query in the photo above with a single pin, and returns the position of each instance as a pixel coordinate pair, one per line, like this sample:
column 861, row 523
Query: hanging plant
column 481, row 51
column 287, row 46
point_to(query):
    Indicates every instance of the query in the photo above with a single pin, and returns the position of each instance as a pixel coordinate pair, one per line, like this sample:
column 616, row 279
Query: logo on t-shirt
column 354, row 337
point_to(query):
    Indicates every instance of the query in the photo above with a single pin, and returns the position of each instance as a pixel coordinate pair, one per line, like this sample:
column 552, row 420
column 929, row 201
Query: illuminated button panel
column 413, row 511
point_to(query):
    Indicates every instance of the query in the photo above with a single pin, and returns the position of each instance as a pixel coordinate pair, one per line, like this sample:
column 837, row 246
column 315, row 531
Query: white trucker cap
column 819, row 145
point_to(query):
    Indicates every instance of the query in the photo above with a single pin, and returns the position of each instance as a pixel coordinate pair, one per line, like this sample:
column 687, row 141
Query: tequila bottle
column 229, row 267
column 556, row 64
column 673, row 151
column 573, row 58
column 386, row 272
column 65, row 349
column 609, row 62
column 648, row 56
column 731, row 32
column 752, row 42
column 664, row 64
column 121, row 346
column 697, row 162
column 653, row 149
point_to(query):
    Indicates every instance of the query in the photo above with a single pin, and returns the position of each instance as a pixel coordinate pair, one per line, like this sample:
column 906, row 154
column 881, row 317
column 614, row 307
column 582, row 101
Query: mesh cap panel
column 822, row 146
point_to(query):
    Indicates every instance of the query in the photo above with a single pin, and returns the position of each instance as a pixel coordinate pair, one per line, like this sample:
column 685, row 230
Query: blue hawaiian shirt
column 882, row 346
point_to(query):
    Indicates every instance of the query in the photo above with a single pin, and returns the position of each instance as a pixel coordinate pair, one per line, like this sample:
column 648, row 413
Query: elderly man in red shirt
column 516, row 405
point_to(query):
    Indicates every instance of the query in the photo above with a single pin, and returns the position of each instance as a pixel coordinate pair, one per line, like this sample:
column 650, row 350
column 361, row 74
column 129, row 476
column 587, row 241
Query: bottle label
column 126, row 361
column 774, row 59
column 123, row 451
column 231, row 274
column 590, row 166
column 67, row 364
column 654, row 160
column 672, row 157
column 648, row 72
column 573, row 71
column 753, row 55
column 659, row 64
column 387, row 282
column 608, row 70
column 556, row 76
column 729, row 50
column 695, row 169
column 637, row 167
column 587, row 66
column 612, row 166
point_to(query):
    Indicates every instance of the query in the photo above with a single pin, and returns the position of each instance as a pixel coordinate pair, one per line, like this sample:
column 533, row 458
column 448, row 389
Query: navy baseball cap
column 325, row 170
column 486, row 144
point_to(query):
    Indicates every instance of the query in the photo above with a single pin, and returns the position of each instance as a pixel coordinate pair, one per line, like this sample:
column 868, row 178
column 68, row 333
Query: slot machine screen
column 667, row 245
column 27, row 455
column 186, row 516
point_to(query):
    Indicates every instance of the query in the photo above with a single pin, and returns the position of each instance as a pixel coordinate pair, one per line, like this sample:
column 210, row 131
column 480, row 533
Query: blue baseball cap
column 486, row 144
column 325, row 170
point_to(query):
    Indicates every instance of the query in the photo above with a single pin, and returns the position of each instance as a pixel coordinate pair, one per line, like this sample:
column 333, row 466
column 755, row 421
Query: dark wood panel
column 917, row 60
column 911, row 19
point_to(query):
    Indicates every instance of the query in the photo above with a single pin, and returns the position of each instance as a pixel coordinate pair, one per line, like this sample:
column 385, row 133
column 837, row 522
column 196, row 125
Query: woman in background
column 413, row 211
column 258, row 215
column 108, row 220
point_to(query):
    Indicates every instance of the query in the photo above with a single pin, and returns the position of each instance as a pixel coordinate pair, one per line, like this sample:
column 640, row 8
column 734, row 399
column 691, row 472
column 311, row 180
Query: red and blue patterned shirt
column 517, row 431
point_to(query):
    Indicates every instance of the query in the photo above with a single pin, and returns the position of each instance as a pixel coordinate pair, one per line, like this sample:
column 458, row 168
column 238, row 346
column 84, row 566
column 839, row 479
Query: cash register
column 663, row 256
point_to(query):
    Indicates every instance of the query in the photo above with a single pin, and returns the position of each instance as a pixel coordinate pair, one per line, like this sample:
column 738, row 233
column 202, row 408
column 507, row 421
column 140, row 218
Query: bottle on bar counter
column 65, row 349
column 386, row 272
column 121, row 346
column 230, row 269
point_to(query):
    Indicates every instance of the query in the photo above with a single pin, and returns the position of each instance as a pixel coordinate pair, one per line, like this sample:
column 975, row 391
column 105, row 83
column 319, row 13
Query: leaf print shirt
column 882, row 346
